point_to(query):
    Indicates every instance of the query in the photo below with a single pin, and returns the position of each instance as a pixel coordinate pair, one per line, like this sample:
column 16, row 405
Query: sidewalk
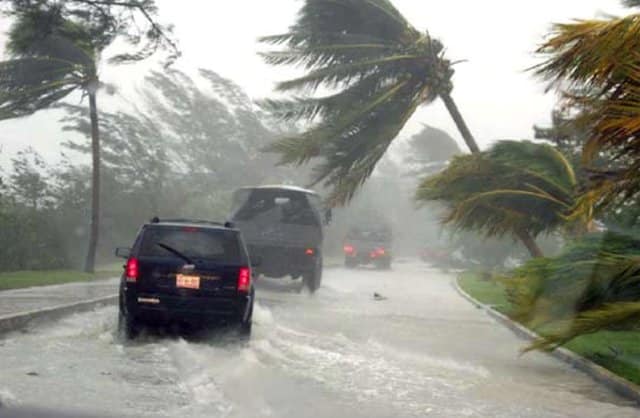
column 19, row 301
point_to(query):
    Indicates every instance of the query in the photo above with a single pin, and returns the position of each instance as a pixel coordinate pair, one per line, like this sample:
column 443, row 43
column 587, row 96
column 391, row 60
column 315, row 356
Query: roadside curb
column 15, row 322
column 603, row 376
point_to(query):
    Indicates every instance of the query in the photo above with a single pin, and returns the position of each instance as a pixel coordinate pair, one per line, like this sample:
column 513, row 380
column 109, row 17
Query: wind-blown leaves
column 593, row 285
column 46, row 65
column 513, row 187
column 378, row 70
column 596, row 64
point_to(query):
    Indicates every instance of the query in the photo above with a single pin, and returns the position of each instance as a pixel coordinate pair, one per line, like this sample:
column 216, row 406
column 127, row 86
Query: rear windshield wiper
column 175, row 252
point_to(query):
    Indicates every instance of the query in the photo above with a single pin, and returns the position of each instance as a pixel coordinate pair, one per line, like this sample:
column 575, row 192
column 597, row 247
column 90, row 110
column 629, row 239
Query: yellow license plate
column 186, row 281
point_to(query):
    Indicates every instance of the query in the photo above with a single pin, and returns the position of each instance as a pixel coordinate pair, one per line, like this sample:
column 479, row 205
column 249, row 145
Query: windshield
column 320, row 208
column 277, row 206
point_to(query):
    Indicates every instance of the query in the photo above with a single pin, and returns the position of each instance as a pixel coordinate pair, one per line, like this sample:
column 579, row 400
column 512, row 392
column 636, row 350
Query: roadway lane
column 424, row 351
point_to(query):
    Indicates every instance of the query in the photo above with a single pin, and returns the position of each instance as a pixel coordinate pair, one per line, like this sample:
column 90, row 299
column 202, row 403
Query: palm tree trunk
column 530, row 243
column 89, row 265
column 460, row 123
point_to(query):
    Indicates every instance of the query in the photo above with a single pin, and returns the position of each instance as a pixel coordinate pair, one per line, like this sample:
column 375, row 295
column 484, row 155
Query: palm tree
column 517, row 188
column 596, row 66
column 379, row 69
column 51, row 57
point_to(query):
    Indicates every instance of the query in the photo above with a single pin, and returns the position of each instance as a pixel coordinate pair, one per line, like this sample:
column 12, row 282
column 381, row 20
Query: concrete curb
column 603, row 376
column 19, row 321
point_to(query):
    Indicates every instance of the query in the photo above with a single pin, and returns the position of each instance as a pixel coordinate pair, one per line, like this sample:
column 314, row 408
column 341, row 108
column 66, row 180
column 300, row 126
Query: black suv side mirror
column 123, row 252
column 256, row 261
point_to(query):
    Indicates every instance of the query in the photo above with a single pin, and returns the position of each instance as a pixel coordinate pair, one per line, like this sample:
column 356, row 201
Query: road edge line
column 15, row 322
column 616, row 383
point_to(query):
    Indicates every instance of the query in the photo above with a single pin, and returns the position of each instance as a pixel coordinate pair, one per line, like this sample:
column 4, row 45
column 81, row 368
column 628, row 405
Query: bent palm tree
column 518, row 188
column 380, row 70
column 50, row 58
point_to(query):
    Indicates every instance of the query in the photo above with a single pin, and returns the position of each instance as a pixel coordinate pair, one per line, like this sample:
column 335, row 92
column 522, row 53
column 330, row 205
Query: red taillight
column 131, row 269
column 380, row 251
column 309, row 251
column 349, row 249
column 244, row 279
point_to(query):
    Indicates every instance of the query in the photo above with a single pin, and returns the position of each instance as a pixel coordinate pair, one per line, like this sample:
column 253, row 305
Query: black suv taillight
column 244, row 279
column 131, row 270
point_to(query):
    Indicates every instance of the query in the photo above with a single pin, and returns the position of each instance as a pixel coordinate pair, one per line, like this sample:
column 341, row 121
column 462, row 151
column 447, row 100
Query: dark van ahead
column 282, row 225
column 186, row 272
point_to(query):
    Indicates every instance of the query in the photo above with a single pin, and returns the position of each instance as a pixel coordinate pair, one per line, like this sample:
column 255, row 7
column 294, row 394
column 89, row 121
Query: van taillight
column 244, row 279
column 132, row 269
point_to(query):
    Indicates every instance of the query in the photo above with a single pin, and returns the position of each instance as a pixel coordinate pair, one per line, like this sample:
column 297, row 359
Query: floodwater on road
column 422, row 351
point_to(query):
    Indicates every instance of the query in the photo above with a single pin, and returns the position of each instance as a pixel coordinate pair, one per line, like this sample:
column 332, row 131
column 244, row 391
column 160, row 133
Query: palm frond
column 493, row 194
column 622, row 315
column 382, row 69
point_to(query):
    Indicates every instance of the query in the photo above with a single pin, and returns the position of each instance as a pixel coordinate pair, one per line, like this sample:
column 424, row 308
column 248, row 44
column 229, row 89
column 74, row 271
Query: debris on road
column 378, row 296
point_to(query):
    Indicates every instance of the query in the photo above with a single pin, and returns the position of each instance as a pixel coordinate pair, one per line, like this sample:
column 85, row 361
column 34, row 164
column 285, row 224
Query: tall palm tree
column 51, row 57
column 516, row 188
column 378, row 68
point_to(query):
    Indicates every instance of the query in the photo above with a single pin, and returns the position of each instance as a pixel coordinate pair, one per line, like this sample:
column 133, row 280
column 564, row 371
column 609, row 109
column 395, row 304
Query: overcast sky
column 495, row 94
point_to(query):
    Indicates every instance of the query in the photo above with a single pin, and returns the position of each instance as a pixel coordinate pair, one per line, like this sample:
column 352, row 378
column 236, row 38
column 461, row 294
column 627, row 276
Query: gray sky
column 496, row 38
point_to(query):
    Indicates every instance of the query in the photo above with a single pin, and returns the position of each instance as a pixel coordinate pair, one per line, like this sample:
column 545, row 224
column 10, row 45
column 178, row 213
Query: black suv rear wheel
column 312, row 278
column 128, row 328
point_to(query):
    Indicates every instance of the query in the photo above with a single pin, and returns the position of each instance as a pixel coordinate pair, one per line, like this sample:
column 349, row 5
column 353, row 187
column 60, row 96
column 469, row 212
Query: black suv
column 283, row 226
column 186, row 272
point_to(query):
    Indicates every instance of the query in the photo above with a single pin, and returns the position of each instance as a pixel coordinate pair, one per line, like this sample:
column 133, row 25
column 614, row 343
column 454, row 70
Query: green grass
column 486, row 291
column 617, row 351
column 21, row 279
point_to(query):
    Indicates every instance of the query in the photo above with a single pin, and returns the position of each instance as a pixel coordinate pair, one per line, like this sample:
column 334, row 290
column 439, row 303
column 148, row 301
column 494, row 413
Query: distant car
column 282, row 225
column 368, row 245
column 186, row 272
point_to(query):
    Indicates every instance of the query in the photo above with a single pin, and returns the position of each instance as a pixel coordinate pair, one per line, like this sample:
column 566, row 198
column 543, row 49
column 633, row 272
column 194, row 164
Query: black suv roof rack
column 156, row 220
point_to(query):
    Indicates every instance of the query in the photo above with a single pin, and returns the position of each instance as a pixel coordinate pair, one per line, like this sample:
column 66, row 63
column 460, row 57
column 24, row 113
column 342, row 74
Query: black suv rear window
column 193, row 242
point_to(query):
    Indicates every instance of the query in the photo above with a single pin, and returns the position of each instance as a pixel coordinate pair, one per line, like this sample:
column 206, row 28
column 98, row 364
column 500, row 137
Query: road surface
column 424, row 351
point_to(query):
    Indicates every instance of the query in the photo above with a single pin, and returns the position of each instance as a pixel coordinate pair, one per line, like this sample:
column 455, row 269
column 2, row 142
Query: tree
column 380, row 69
column 595, row 65
column 134, row 21
column 28, row 184
column 51, row 58
column 430, row 150
column 518, row 188
column 54, row 48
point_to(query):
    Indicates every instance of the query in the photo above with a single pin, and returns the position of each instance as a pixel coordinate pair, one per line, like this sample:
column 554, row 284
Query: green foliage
column 595, row 65
column 593, row 285
column 379, row 68
column 513, row 187
column 29, row 239
column 28, row 185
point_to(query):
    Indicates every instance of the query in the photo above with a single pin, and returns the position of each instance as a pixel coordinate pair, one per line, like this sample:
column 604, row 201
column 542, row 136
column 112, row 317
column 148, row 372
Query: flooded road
column 423, row 351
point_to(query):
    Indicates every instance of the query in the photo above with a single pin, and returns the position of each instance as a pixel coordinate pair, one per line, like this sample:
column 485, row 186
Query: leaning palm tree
column 50, row 58
column 378, row 70
column 516, row 188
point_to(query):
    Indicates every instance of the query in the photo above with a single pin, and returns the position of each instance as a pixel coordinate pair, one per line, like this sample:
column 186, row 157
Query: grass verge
column 617, row 351
column 22, row 279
